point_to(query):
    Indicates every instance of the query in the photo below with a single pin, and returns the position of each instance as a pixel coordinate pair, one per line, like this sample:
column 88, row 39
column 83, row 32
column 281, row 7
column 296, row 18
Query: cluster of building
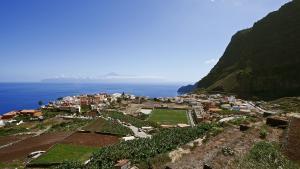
column 97, row 102
column 210, row 107
column 9, row 117
column 73, row 104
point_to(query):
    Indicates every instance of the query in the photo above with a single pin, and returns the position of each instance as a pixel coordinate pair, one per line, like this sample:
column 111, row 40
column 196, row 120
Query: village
column 45, row 137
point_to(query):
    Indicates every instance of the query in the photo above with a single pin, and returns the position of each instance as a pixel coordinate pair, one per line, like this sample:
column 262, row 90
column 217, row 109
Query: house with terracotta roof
column 9, row 115
column 33, row 113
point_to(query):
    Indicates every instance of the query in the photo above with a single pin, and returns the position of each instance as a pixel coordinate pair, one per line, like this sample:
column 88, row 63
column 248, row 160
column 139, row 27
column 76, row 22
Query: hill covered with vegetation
column 262, row 61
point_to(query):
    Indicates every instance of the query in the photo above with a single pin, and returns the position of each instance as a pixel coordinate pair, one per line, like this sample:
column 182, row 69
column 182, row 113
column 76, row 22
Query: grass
column 241, row 120
column 287, row 104
column 129, row 119
column 12, row 130
column 85, row 108
column 65, row 152
column 144, row 149
column 108, row 126
column 52, row 113
column 166, row 116
column 155, row 162
column 263, row 133
column 266, row 155
column 72, row 125
column 15, row 164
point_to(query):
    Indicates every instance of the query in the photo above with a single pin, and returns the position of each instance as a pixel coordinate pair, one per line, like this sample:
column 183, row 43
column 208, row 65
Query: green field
column 64, row 152
column 129, row 119
column 109, row 127
column 167, row 116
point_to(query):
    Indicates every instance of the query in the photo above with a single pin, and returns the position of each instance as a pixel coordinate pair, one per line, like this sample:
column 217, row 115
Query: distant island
column 260, row 62
column 107, row 78
column 245, row 114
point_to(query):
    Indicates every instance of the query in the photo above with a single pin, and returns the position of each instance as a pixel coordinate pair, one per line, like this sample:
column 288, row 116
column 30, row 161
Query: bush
column 129, row 119
column 70, row 164
column 113, row 127
column 265, row 155
column 70, row 125
column 12, row 130
column 263, row 133
column 145, row 149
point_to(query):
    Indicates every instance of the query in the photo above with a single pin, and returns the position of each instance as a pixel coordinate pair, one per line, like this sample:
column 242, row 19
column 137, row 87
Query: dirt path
column 211, row 152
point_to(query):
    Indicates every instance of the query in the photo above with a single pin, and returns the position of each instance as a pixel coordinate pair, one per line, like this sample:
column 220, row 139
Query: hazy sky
column 176, row 40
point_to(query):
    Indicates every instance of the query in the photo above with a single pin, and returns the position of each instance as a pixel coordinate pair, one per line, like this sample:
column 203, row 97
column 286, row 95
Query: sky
column 169, row 40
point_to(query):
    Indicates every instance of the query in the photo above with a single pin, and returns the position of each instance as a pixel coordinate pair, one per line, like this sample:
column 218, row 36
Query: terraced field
column 108, row 127
column 67, row 151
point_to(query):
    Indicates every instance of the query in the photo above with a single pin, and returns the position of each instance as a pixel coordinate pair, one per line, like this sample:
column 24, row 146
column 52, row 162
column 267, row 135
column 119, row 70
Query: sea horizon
column 26, row 95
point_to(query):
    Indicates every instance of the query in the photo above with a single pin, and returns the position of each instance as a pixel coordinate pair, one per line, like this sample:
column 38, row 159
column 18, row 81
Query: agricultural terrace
column 169, row 117
column 68, row 152
column 71, row 125
column 108, row 127
column 129, row 119
column 91, row 139
column 141, row 150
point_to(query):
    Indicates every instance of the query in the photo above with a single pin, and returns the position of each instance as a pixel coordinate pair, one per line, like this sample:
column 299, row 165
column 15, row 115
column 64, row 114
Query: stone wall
column 292, row 144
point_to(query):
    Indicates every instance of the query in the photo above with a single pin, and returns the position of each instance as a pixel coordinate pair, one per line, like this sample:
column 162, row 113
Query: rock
column 277, row 121
column 244, row 127
column 268, row 113
column 206, row 166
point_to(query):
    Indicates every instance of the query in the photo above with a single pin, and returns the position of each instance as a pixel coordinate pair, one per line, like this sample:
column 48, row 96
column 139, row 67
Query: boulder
column 277, row 121
column 244, row 127
column 206, row 166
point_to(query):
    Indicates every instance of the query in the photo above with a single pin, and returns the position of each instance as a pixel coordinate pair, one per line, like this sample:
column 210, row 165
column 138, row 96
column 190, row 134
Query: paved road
column 137, row 133
column 135, row 130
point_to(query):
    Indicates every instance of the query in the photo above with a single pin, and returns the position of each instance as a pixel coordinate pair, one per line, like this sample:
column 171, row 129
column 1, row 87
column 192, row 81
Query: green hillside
column 262, row 61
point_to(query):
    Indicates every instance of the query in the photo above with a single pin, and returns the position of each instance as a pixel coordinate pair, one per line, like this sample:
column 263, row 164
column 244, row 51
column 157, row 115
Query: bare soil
column 95, row 126
column 91, row 139
column 20, row 150
column 4, row 140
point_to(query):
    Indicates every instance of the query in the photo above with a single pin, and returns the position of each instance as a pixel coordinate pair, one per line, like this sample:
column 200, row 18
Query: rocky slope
column 262, row 61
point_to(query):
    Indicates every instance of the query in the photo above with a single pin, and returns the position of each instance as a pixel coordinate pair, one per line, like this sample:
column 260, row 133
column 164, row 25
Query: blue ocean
column 16, row 96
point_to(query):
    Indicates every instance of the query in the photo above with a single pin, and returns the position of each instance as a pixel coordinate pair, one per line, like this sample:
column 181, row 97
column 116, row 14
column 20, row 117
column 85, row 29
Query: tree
column 40, row 103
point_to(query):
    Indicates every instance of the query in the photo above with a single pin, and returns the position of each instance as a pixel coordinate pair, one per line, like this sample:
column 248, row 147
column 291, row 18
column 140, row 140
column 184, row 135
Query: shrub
column 145, row 149
column 263, row 133
column 265, row 155
column 129, row 119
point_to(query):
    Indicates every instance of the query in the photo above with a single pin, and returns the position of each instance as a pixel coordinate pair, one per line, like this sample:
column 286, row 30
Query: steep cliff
column 262, row 61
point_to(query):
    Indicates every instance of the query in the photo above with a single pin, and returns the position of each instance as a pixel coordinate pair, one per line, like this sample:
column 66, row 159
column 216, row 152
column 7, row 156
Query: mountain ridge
column 261, row 61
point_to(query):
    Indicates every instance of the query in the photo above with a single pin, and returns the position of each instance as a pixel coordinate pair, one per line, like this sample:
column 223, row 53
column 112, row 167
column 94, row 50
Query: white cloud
column 211, row 61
